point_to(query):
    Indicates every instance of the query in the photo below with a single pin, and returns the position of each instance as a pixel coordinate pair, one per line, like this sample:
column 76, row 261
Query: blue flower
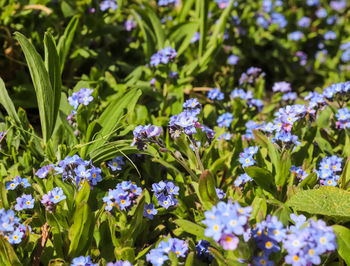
column 57, row 195
column 304, row 22
column 106, row 4
column 215, row 94
column 242, row 179
column 44, row 171
column 163, row 56
column 225, row 120
column 159, row 255
column 195, row 37
column 281, row 86
column 149, row 211
column 232, row 59
column 83, row 261
column 116, row 163
column 191, row 103
column 24, row 202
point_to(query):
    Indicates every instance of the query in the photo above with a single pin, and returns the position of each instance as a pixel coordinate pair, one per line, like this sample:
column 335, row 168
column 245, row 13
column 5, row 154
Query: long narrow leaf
column 42, row 85
column 52, row 63
column 7, row 103
column 66, row 40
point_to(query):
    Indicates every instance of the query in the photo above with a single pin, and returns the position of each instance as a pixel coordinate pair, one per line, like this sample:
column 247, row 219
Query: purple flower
column 229, row 241
column 129, row 24
column 304, row 22
column 232, row 59
column 149, row 211
column 106, row 4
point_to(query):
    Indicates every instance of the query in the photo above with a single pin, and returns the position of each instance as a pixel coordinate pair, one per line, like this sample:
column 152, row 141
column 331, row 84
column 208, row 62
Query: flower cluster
column 83, row 96
column 248, row 96
column 144, row 134
column 123, row 196
column 305, row 244
column 251, row 75
column 11, row 185
column 225, row 120
column 339, row 90
column 10, row 227
column 215, row 94
column 116, row 163
column 52, row 198
column 163, row 56
column 186, row 121
column 281, row 86
column 165, row 193
column 159, row 255
column 345, row 47
column 343, row 117
column 225, row 222
column 86, row 261
column 274, row 17
column 77, row 170
column 267, row 235
column 298, row 172
column 329, row 169
column 24, row 202
column 246, row 157
column 242, row 179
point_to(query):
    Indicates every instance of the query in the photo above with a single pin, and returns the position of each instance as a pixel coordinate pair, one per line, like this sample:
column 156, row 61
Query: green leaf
column 190, row 259
column 204, row 9
column 206, row 189
column 126, row 253
column 260, row 138
column 80, row 233
column 326, row 200
column 42, row 85
column 343, row 241
column 66, row 40
column 83, row 194
column 149, row 44
column 7, row 254
column 262, row 177
column 191, row 228
column 345, row 177
column 173, row 259
column 157, row 26
column 112, row 117
column 52, row 63
column 7, row 103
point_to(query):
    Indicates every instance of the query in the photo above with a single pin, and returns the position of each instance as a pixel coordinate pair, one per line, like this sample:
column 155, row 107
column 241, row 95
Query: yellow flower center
column 148, row 211
column 268, row 244
column 57, row 197
column 216, row 227
column 28, row 202
column 228, row 239
column 122, row 201
column 296, row 258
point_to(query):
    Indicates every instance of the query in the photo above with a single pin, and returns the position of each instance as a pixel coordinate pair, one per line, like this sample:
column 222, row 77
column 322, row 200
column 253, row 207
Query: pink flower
column 229, row 241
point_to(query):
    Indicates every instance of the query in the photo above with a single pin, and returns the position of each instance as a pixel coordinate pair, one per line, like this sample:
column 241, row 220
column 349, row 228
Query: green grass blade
column 42, row 85
column 112, row 117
